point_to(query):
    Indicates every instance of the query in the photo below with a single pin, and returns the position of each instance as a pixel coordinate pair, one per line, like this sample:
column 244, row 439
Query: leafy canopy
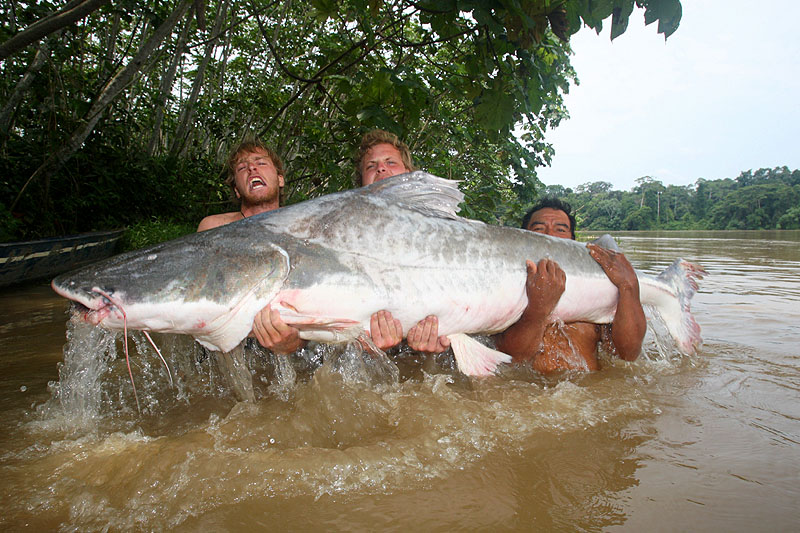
column 141, row 100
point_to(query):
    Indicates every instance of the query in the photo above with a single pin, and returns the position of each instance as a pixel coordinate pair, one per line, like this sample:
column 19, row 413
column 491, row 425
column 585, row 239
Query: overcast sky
column 720, row 96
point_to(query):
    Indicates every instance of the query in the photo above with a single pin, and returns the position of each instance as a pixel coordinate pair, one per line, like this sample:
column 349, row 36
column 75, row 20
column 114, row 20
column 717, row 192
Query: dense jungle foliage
column 764, row 199
column 122, row 113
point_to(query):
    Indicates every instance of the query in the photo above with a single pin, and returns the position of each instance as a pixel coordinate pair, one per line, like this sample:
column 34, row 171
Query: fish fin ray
column 473, row 358
column 296, row 319
column 330, row 331
column 422, row 192
column 682, row 276
column 369, row 345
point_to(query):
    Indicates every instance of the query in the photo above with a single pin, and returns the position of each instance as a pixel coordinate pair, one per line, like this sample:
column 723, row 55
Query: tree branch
column 72, row 12
column 281, row 65
column 7, row 113
column 104, row 99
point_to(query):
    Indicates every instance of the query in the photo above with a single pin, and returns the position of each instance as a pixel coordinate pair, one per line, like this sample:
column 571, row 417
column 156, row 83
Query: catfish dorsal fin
column 607, row 242
column 423, row 192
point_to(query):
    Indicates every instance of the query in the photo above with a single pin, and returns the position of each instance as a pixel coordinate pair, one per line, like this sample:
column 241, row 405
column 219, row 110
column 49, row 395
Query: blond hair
column 375, row 137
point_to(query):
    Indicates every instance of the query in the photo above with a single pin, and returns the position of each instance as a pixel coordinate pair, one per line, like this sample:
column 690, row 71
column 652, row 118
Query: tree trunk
column 72, row 12
column 107, row 95
column 107, row 64
column 226, row 52
column 165, row 88
column 7, row 113
column 184, row 124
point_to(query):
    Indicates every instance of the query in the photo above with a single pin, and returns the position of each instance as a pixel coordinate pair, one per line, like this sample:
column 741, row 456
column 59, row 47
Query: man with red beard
column 255, row 173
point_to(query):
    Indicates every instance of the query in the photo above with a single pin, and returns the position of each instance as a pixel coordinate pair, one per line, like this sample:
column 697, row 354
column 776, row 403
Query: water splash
column 285, row 378
column 359, row 366
column 570, row 355
column 658, row 345
column 93, row 386
column 75, row 398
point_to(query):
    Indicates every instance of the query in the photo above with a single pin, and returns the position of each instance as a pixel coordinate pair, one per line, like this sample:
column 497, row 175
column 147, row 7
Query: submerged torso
column 569, row 347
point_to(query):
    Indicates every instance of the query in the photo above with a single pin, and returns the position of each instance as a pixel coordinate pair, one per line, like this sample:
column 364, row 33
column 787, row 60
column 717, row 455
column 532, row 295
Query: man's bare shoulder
column 214, row 221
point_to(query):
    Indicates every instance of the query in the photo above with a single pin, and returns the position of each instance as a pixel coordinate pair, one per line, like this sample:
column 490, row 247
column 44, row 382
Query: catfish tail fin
column 682, row 277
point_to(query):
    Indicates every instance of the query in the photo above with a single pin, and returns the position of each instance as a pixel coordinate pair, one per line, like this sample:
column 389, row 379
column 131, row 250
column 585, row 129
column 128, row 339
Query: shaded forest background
column 122, row 113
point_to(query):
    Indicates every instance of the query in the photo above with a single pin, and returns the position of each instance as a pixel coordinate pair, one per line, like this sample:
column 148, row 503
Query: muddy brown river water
column 334, row 442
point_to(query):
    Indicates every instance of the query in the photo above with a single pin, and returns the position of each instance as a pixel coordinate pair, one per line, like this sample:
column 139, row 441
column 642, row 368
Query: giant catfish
column 329, row 263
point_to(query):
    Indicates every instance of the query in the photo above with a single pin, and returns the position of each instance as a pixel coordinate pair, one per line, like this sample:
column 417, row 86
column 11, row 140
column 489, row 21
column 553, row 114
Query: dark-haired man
column 549, row 346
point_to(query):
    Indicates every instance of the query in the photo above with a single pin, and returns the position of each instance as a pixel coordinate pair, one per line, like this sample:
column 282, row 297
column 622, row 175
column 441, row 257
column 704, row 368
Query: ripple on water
column 337, row 441
column 348, row 427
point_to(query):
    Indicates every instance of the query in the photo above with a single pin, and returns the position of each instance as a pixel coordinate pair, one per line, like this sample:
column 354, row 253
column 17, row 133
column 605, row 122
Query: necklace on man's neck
column 242, row 213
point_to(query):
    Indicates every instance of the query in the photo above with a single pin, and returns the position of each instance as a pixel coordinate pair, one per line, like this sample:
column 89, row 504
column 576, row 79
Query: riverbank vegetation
column 761, row 199
column 121, row 113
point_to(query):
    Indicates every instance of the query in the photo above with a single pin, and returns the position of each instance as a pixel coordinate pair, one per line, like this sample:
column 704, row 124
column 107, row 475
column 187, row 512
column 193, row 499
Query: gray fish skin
column 328, row 264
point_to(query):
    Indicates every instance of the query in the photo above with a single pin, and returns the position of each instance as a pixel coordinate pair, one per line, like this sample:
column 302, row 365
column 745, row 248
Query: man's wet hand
column 424, row 336
column 615, row 265
column 275, row 334
column 544, row 286
column 385, row 330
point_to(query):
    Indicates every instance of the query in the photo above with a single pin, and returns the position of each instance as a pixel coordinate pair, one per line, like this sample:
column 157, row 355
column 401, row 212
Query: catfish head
column 209, row 285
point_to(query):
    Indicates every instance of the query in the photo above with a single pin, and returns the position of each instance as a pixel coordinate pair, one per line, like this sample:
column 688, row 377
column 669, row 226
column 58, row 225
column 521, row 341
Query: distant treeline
column 761, row 199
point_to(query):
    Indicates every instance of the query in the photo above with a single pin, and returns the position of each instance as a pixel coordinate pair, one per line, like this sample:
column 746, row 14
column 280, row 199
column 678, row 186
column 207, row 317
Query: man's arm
column 544, row 286
column 629, row 325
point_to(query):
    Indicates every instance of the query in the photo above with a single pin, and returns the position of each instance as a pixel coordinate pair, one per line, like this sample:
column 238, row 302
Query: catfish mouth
column 92, row 316
column 91, row 306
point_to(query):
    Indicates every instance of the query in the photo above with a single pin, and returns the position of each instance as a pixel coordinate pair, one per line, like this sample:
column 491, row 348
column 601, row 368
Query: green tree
column 640, row 219
column 760, row 199
column 790, row 219
column 473, row 87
